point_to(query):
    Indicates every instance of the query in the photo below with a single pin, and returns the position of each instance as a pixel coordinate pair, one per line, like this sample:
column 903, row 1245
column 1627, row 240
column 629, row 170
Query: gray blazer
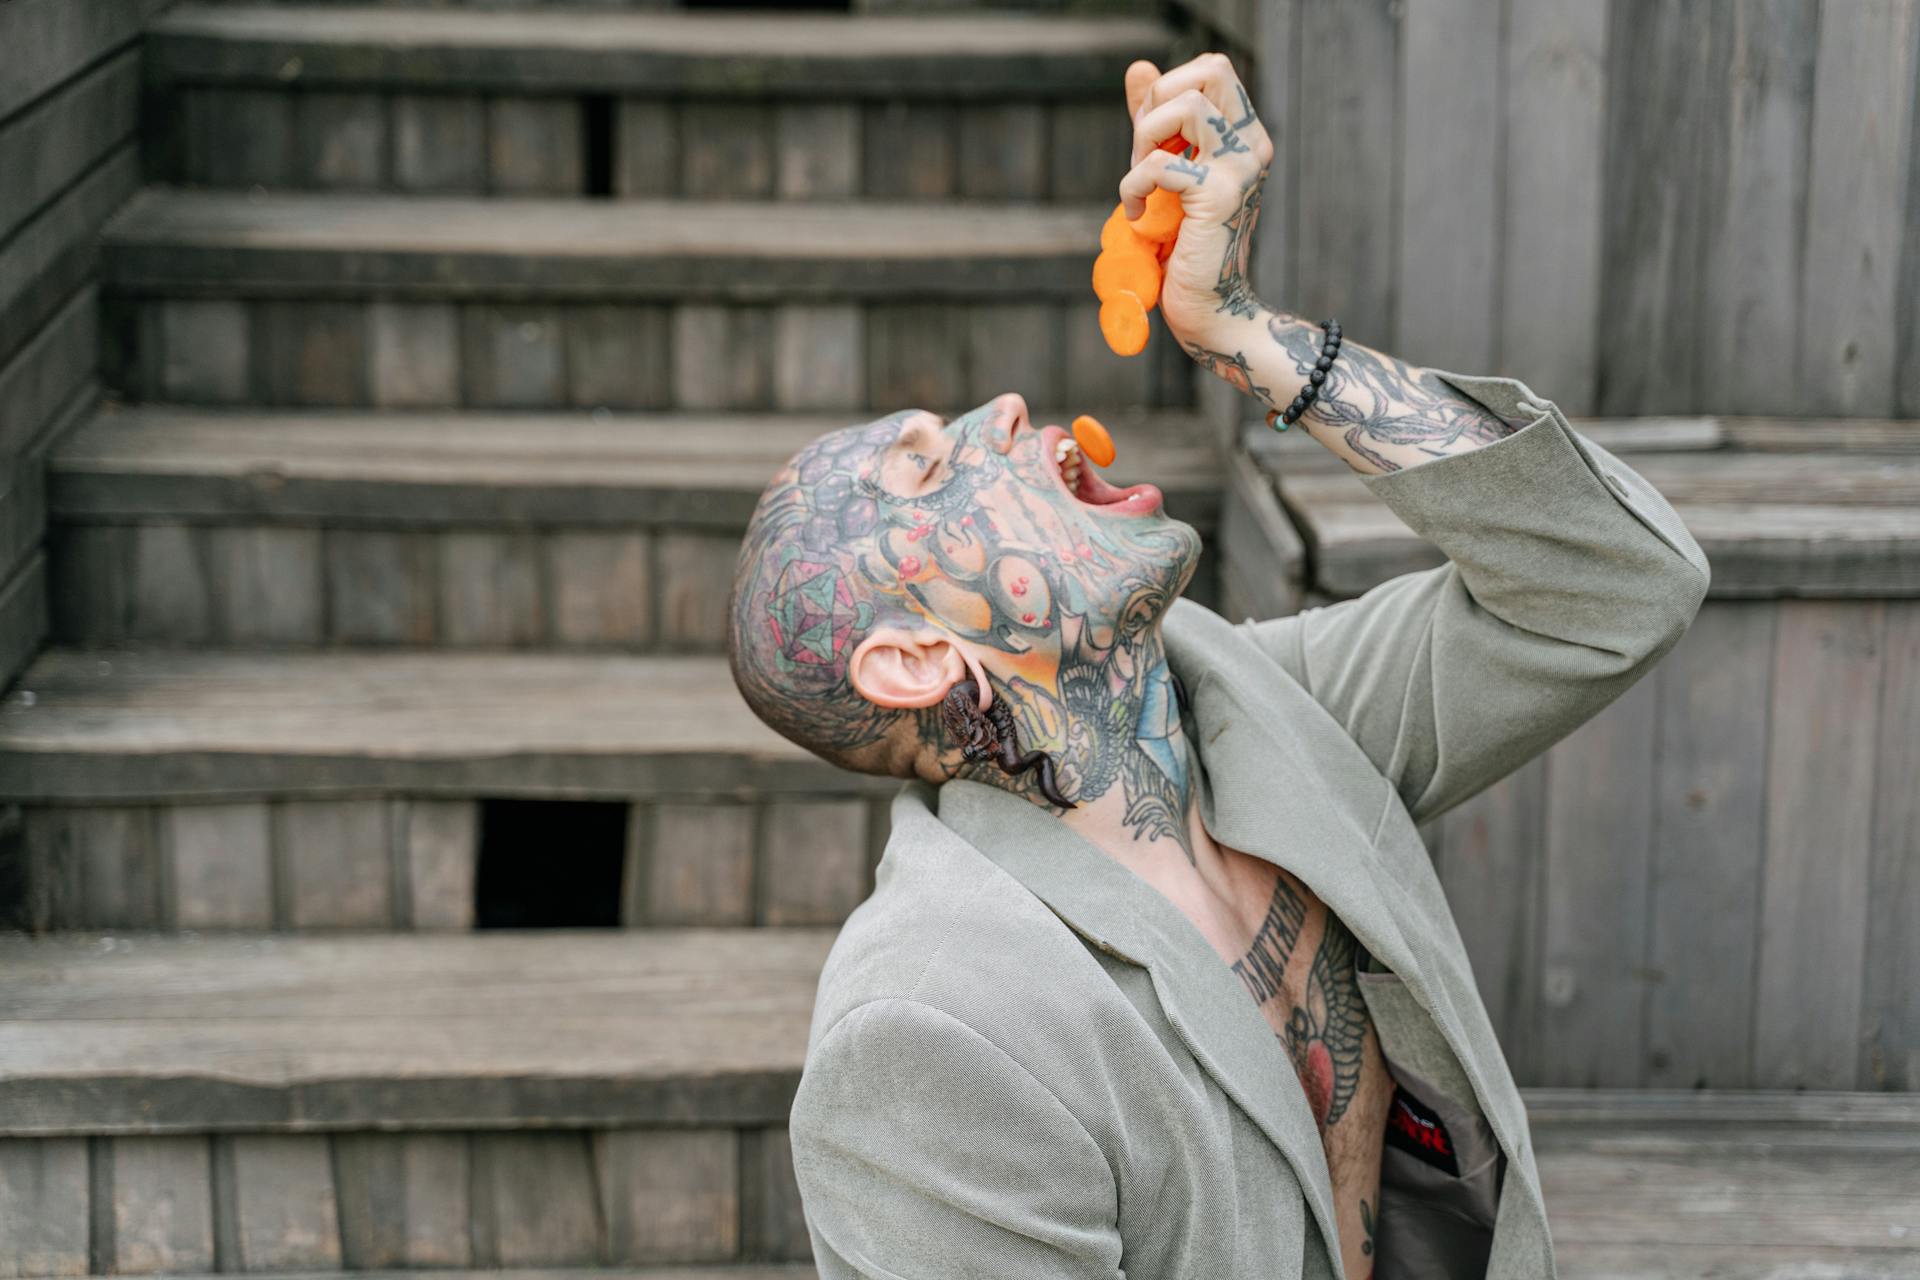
column 1026, row 1063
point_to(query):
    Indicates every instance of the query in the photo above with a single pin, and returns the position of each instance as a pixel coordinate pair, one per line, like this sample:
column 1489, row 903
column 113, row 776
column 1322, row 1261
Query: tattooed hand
column 1218, row 179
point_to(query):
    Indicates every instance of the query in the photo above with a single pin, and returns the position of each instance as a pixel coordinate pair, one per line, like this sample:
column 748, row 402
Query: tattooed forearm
column 1232, row 369
column 1379, row 403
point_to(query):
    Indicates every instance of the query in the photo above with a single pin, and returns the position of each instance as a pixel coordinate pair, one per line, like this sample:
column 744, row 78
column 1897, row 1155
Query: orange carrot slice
column 1134, row 271
column 1123, row 322
column 1093, row 440
column 1161, row 220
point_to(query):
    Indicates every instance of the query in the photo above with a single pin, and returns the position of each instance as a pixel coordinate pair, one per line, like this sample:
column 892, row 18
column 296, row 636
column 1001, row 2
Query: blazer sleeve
column 925, row 1152
column 1568, row 577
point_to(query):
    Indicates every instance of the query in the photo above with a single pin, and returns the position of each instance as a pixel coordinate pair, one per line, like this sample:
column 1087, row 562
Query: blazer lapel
column 1122, row 914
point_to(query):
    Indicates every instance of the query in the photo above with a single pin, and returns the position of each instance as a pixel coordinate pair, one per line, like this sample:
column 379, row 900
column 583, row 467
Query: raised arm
column 1568, row 574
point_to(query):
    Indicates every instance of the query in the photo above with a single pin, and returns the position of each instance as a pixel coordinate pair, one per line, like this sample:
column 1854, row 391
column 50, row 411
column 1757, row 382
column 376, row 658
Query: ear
column 895, row 667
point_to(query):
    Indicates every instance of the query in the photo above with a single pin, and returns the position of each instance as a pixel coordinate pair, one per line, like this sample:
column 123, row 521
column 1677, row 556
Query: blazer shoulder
column 949, row 928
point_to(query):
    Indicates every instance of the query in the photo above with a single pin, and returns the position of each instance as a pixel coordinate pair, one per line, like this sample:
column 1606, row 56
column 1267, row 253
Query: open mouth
column 1082, row 480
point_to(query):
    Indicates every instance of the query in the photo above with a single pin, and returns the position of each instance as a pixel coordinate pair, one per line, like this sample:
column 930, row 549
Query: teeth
column 1067, row 454
column 1067, row 446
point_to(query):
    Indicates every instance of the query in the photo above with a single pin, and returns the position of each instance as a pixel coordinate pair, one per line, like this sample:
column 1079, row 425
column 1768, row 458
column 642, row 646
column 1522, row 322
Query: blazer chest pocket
column 1441, row 1167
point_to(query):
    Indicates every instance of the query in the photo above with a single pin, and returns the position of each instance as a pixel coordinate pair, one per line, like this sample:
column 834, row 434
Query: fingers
column 1186, row 115
column 1159, row 169
column 1232, row 126
column 1140, row 77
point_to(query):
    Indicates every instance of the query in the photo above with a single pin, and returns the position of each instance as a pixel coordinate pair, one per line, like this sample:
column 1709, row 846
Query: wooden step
column 571, row 531
column 215, row 789
column 331, row 300
column 279, row 1104
column 576, row 1099
column 796, row 106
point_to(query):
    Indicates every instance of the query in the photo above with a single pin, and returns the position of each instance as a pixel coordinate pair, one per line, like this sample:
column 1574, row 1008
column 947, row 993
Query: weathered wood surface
column 1637, row 206
column 323, row 244
column 506, row 1030
column 1771, row 523
column 687, row 471
column 800, row 55
column 216, row 723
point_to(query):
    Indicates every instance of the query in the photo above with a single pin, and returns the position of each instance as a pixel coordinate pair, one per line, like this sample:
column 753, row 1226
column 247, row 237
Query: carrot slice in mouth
column 1094, row 440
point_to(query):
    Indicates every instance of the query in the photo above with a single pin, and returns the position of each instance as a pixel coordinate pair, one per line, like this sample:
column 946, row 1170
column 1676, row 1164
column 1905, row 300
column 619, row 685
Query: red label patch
column 1414, row 1128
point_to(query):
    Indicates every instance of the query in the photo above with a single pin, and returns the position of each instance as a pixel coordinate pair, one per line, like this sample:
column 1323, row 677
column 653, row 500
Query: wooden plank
column 49, row 881
column 292, row 245
column 162, row 1205
column 534, row 1200
column 490, row 589
column 726, row 150
column 535, row 147
column 1087, row 151
column 311, row 353
column 335, row 864
column 439, row 143
column 909, row 150
column 189, row 723
column 600, row 586
column 1556, row 87
column 512, row 357
column 441, row 855
column 219, row 865
column 341, row 140
column 646, row 148
column 697, row 867
column 1753, row 270
column 403, row 1200
column 1492, row 855
column 45, row 375
column 239, row 137
column 1344, row 236
column 43, row 1207
column 1907, row 390
column 816, row 150
column 23, row 614
column 722, row 357
column 1594, row 920
column 669, row 1195
column 1666, row 145
column 170, row 597
column 1708, row 839
column 271, row 584
column 380, row 586
column 1813, row 913
column 60, row 38
column 619, row 357
column 1890, row 998
column 813, row 862
column 1449, row 222
column 1263, row 561
column 1002, row 151
column 1856, row 210
column 819, row 357
column 1014, row 347
column 115, row 853
column 55, row 254
column 284, row 1210
column 597, row 1029
column 206, row 351
column 45, row 149
column 772, row 1222
column 695, row 575
column 413, row 352
column 916, row 357
column 91, row 563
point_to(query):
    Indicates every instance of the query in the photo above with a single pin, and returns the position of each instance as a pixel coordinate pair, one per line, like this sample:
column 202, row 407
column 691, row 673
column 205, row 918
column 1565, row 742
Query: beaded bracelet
column 1281, row 419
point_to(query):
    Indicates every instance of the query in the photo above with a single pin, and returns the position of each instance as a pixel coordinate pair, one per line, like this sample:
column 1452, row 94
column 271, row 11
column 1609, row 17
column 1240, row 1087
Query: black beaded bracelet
column 1281, row 419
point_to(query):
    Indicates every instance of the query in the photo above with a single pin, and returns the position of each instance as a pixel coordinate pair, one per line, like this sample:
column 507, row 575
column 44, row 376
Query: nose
column 1009, row 410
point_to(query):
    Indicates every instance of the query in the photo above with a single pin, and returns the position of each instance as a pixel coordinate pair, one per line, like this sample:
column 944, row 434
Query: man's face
column 972, row 525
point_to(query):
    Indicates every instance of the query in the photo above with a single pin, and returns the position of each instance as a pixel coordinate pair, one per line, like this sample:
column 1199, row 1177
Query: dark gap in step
column 596, row 138
column 550, row 864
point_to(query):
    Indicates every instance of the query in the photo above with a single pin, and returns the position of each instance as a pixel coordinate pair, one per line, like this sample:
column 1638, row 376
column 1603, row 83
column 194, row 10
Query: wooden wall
column 1637, row 206
column 69, row 91
column 1715, row 882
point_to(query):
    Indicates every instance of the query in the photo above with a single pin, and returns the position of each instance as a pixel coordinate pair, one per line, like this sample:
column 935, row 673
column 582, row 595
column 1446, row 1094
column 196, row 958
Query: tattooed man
column 1188, row 1001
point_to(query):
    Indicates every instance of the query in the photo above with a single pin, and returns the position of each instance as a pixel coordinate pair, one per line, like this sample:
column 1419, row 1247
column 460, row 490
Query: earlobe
column 895, row 667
